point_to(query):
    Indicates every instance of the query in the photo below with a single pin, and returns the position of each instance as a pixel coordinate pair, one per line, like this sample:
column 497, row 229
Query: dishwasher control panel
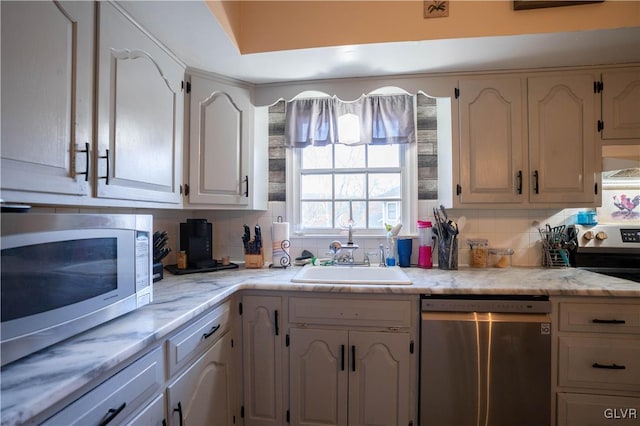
column 532, row 304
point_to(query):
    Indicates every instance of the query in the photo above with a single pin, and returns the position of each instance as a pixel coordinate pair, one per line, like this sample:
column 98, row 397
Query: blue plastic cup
column 404, row 252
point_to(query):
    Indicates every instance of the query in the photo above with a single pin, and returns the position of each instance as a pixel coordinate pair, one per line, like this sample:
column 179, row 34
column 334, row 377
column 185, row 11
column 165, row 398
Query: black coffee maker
column 196, row 239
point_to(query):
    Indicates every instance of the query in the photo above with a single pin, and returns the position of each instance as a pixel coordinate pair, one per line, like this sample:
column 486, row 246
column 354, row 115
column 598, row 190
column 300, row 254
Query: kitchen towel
column 280, row 244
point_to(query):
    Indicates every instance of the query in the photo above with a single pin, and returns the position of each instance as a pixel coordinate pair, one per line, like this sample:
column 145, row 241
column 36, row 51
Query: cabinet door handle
column 612, row 321
column 179, row 410
column 106, row 157
column 519, row 182
column 210, row 333
column 276, row 319
column 353, row 358
column 111, row 414
column 609, row 366
column 341, row 357
column 246, row 188
column 87, row 155
column 536, row 186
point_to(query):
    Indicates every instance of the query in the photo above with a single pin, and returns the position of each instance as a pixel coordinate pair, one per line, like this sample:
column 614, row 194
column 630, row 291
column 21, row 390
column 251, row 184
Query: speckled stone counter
column 31, row 385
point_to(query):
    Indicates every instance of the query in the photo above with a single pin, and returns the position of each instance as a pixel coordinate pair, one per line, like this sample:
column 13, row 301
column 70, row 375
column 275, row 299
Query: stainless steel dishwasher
column 485, row 361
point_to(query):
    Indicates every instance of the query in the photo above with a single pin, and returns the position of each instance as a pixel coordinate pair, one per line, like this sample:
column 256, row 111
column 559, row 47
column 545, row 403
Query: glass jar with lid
column 479, row 253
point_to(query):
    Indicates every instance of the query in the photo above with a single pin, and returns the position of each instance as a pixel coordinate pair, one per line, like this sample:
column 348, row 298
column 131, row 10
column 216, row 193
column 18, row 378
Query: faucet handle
column 335, row 246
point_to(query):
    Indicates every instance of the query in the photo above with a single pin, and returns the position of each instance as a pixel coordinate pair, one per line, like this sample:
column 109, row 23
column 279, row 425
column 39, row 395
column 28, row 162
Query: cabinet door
column 205, row 393
column 562, row 130
column 262, row 353
column 140, row 114
column 318, row 376
column 47, row 97
column 220, row 135
column 492, row 141
column 621, row 105
column 379, row 383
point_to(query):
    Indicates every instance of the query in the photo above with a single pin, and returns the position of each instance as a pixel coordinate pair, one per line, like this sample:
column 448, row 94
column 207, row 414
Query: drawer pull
column 276, row 320
column 213, row 330
column 341, row 357
column 613, row 321
column 609, row 366
column 111, row 414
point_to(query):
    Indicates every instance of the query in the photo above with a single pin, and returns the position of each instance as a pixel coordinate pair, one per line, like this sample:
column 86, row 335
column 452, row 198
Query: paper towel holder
column 281, row 248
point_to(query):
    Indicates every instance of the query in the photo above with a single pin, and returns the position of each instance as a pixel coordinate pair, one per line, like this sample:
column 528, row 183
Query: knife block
column 254, row 261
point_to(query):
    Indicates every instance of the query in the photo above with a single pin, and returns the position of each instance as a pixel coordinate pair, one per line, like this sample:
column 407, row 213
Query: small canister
column 500, row 257
column 479, row 253
column 182, row 260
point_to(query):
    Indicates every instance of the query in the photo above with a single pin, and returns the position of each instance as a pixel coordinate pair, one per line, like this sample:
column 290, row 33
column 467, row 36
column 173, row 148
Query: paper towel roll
column 280, row 248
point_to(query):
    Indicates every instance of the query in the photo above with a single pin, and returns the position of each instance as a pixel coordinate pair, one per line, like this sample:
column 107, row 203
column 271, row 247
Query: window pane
column 375, row 215
column 349, row 157
column 315, row 187
column 379, row 213
column 384, row 185
column 350, row 186
column 358, row 210
column 316, row 157
column 384, row 155
column 316, row 214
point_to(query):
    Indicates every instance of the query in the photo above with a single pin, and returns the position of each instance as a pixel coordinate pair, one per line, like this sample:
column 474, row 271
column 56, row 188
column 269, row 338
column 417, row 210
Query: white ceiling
column 191, row 31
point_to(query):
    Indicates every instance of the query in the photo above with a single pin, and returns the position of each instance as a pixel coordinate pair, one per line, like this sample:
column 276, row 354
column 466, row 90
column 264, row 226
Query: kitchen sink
column 351, row 275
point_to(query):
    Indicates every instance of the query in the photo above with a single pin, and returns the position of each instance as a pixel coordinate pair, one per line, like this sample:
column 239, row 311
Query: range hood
column 619, row 157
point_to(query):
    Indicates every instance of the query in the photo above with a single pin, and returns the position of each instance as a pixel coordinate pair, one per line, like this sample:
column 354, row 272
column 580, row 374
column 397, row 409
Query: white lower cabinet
column 351, row 361
column 598, row 361
column 340, row 377
column 580, row 409
column 262, row 360
column 204, row 394
column 124, row 395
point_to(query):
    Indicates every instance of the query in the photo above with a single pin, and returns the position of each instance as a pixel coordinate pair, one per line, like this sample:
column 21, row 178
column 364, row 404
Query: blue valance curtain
column 373, row 119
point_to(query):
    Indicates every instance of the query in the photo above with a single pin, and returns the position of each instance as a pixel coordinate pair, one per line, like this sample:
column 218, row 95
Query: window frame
column 408, row 201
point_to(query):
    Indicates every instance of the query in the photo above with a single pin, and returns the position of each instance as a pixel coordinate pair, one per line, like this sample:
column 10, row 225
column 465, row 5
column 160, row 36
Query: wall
column 306, row 24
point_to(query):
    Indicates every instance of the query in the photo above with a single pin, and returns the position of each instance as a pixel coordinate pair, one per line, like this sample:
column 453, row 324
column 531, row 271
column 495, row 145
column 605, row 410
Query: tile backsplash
column 515, row 229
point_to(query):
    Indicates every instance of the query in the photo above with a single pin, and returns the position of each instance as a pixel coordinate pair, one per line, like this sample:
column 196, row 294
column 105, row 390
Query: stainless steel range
column 612, row 250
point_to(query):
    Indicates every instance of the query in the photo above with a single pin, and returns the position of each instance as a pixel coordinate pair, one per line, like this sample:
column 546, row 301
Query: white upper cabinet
column 493, row 140
column 620, row 106
column 527, row 141
column 47, row 99
column 139, row 113
column 223, row 153
column 562, row 139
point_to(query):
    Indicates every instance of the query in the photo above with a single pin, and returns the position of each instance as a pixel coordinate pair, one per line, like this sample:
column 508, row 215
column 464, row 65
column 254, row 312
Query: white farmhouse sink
column 351, row 275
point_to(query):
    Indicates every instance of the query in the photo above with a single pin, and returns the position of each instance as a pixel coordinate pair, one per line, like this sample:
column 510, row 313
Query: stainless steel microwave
column 63, row 274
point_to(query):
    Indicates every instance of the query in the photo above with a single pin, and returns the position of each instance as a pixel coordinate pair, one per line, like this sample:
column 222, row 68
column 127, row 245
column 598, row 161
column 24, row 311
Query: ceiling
column 192, row 33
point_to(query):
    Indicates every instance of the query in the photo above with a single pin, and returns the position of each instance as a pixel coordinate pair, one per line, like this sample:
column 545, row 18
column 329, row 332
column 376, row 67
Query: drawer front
column 317, row 310
column 599, row 363
column 118, row 397
column 600, row 317
column 196, row 337
column 151, row 415
column 592, row 410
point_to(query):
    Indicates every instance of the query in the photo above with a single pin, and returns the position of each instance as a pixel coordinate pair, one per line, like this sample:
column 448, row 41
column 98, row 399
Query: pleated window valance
column 372, row 119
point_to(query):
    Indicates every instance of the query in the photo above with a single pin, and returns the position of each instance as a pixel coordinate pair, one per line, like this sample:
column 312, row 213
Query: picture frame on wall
column 539, row 4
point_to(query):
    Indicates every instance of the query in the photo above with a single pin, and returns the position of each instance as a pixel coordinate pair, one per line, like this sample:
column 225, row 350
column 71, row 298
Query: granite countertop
column 31, row 385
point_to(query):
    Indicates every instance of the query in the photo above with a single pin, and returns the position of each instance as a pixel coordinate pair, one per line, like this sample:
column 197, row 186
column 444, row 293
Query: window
column 371, row 183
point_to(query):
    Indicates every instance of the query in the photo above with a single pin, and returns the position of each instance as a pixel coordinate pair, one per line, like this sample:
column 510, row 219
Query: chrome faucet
column 382, row 263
